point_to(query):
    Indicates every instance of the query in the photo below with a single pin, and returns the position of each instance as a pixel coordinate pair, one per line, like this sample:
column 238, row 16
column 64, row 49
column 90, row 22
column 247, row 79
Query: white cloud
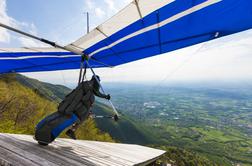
column 99, row 12
column 4, row 18
column 111, row 5
column 90, row 4
column 5, row 35
column 32, row 29
column 27, row 42
column 127, row 1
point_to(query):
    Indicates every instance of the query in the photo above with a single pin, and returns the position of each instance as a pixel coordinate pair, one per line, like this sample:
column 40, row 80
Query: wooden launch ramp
column 23, row 150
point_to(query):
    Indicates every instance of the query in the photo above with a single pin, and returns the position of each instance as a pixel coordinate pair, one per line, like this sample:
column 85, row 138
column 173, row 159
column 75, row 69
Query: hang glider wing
column 36, row 59
column 142, row 29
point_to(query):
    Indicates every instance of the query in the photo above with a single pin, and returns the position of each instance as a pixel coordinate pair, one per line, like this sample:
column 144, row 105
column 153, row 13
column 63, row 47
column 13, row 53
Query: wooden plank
column 8, row 158
column 24, row 154
column 52, row 154
column 23, row 150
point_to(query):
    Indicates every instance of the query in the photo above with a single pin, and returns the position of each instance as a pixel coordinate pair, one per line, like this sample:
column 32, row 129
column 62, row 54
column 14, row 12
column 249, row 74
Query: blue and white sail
column 143, row 29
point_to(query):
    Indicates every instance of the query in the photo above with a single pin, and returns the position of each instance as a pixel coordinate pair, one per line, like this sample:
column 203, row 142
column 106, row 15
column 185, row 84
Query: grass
column 217, row 135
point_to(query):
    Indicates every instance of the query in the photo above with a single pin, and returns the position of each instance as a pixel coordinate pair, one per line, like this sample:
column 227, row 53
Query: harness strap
column 80, row 75
column 85, row 71
column 83, row 58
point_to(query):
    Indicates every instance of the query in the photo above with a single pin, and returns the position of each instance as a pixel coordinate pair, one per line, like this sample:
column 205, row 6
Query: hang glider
column 142, row 29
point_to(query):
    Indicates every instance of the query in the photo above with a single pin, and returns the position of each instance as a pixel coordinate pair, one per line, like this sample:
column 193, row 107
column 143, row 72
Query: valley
column 214, row 122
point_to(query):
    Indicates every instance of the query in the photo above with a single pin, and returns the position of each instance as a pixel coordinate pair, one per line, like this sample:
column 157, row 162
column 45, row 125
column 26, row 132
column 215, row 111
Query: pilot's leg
column 82, row 115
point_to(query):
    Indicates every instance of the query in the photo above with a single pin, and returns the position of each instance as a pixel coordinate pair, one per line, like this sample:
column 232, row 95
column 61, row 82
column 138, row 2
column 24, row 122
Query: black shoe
column 71, row 134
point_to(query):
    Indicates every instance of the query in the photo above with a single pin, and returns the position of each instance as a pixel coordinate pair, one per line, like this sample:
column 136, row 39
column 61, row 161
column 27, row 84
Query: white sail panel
column 89, row 39
column 122, row 19
column 130, row 14
column 148, row 6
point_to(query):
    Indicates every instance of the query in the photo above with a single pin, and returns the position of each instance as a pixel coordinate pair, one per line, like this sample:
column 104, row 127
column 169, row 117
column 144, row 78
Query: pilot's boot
column 70, row 133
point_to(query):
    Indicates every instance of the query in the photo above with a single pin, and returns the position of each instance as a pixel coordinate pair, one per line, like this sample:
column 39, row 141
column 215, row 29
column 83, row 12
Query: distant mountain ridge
column 50, row 91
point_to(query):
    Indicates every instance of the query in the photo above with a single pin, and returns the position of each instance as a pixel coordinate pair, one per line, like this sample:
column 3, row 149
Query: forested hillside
column 125, row 130
column 21, row 108
column 52, row 92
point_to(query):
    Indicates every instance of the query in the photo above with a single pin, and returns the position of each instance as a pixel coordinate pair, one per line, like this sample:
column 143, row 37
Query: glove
column 116, row 118
column 108, row 97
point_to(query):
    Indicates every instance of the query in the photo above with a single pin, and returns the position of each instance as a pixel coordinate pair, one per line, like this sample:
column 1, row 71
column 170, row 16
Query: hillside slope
column 125, row 130
column 21, row 108
column 50, row 91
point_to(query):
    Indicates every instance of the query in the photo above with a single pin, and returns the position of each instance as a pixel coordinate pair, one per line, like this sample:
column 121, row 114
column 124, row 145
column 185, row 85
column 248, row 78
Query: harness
column 82, row 76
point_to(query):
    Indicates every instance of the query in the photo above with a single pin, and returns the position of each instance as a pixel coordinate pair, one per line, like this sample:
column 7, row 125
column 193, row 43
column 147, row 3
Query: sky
column 225, row 59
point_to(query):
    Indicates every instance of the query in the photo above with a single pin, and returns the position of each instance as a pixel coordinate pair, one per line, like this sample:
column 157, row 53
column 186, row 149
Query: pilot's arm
column 99, row 94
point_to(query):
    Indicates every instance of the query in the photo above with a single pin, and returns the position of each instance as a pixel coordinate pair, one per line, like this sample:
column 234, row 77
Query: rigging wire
column 180, row 66
column 191, row 55
column 62, row 30
column 84, row 73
